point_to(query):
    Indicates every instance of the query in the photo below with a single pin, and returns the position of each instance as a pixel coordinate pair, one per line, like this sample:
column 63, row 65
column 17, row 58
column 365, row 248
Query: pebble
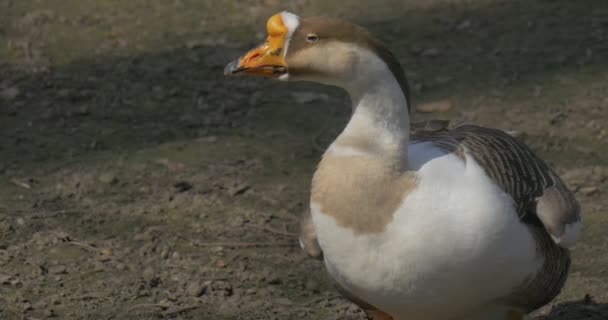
column 196, row 289
column 59, row 270
column 107, row 178
column 148, row 273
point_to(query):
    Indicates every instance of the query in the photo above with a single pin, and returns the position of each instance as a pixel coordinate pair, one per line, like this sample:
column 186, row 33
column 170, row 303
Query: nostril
column 253, row 57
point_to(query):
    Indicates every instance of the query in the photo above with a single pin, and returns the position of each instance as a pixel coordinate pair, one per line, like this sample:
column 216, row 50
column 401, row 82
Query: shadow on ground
column 148, row 184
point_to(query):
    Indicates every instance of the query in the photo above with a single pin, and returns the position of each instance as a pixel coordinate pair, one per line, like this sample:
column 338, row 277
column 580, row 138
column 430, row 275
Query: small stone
column 435, row 106
column 59, row 270
column 196, row 289
column 220, row 263
column 107, row 178
column 148, row 273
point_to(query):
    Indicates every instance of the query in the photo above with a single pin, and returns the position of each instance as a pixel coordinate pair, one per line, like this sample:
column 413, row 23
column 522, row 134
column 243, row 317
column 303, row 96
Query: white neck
column 380, row 111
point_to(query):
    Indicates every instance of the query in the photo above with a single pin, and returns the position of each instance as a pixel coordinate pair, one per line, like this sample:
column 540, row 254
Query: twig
column 169, row 313
column 272, row 230
column 236, row 244
column 147, row 306
column 83, row 245
column 65, row 238
column 21, row 183
column 245, row 244
column 213, row 279
column 51, row 214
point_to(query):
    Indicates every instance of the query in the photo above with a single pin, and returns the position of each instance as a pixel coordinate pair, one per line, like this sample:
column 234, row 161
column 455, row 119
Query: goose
column 460, row 223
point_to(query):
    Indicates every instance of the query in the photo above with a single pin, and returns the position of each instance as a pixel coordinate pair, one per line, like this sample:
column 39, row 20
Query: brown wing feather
column 540, row 197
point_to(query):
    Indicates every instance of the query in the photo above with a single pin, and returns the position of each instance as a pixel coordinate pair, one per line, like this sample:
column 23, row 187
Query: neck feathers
column 380, row 120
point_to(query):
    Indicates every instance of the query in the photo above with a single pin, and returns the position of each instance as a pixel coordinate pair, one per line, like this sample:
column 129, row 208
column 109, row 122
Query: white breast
column 453, row 244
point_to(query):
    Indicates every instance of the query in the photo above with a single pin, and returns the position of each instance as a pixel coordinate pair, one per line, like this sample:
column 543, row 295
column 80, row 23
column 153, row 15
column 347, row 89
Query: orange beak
column 268, row 59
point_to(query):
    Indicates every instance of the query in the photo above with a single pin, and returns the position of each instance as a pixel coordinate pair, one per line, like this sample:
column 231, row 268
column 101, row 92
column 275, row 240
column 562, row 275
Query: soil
column 136, row 182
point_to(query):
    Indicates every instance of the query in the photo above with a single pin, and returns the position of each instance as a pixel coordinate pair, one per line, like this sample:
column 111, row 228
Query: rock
column 107, row 178
column 196, row 289
column 148, row 273
column 220, row 263
column 59, row 270
column 435, row 106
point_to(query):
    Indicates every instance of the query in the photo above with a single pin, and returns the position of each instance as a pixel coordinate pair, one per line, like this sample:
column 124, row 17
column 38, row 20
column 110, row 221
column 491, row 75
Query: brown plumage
column 332, row 29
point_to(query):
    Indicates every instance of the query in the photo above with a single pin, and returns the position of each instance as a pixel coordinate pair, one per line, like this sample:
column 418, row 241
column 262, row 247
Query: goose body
column 446, row 224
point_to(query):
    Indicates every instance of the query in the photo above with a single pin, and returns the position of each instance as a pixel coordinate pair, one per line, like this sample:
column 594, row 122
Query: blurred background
column 137, row 182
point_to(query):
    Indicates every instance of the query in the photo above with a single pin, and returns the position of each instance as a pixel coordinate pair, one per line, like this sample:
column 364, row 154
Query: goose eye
column 311, row 37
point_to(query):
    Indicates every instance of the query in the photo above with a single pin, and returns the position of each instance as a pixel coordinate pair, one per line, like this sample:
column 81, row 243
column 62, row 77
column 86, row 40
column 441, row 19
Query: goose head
column 324, row 50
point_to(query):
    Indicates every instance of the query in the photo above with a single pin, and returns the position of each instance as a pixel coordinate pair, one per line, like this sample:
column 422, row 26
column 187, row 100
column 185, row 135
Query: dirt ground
column 136, row 182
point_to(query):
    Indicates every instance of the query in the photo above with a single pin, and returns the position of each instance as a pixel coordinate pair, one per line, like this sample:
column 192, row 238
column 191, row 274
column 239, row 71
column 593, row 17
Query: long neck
column 380, row 122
